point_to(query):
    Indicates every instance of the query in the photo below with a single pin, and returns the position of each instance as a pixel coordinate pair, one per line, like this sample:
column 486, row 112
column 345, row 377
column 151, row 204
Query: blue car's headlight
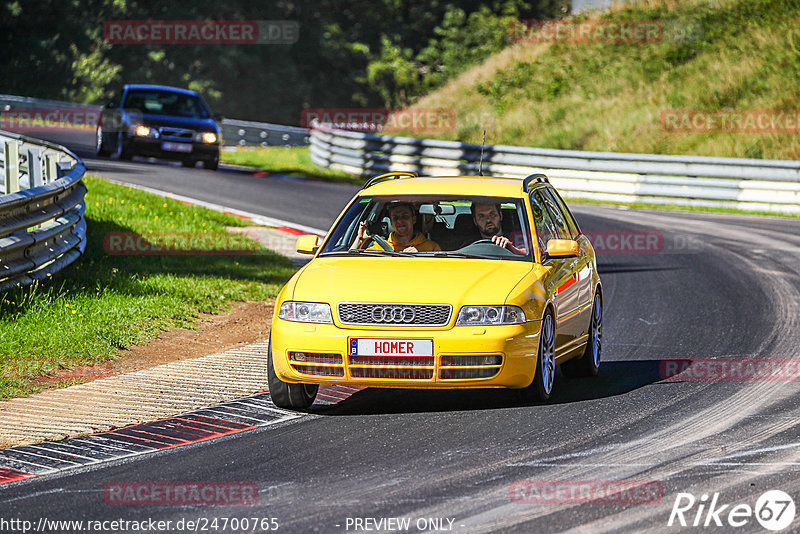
column 306, row 312
column 488, row 315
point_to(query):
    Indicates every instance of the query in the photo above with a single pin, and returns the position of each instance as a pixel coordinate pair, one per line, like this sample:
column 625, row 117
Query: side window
column 555, row 213
column 565, row 213
column 545, row 226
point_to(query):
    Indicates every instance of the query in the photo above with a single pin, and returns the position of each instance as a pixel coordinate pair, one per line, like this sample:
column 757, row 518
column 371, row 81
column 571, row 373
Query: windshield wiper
column 463, row 255
column 368, row 252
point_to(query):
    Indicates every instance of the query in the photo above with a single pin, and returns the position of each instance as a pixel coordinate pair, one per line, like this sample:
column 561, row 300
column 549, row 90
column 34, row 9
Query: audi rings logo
column 393, row 314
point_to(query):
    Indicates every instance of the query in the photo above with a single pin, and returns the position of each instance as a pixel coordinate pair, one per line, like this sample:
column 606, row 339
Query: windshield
column 433, row 226
column 166, row 103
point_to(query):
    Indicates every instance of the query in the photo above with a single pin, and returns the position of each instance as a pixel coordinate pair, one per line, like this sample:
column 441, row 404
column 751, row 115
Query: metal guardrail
column 42, row 229
column 234, row 132
column 752, row 184
column 248, row 133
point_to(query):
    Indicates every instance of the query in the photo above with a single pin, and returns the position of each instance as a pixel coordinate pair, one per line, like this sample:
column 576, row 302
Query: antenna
column 480, row 164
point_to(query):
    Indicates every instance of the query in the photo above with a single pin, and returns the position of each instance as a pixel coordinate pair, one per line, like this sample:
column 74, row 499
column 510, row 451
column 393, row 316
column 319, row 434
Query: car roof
column 150, row 87
column 448, row 185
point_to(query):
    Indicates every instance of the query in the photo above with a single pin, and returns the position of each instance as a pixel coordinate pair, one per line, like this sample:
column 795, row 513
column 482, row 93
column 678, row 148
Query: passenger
column 404, row 238
column 488, row 218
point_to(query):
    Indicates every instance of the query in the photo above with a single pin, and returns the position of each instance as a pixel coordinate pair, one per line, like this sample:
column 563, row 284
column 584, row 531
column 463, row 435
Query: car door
column 583, row 266
column 562, row 281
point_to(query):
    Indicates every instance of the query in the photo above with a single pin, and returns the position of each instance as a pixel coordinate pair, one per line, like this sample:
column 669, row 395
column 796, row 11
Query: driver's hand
column 362, row 231
column 410, row 249
column 362, row 235
column 501, row 241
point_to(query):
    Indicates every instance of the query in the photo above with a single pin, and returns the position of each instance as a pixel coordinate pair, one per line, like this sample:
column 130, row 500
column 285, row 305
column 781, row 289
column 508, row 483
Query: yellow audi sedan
column 440, row 282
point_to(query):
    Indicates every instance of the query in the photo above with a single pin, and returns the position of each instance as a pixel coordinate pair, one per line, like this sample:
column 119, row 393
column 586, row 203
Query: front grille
column 391, row 314
column 467, row 374
column 316, row 357
column 398, row 373
column 318, row 370
column 176, row 134
column 470, row 366
column 304, row 362
column 413, row 361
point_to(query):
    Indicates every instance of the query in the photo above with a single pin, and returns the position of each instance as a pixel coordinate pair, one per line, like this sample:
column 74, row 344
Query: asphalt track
column 718, row 286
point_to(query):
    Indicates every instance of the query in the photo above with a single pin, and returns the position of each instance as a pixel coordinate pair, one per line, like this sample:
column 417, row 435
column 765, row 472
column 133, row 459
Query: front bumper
column 516, row 344
column 147, row 147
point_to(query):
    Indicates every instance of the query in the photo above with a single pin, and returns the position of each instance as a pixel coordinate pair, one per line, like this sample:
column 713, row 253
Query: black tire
column 188, row 163
column 123, row 150
column 542, row 386
column 588, row 364
column 101, row 148
column 285, row 395
column 211, row 164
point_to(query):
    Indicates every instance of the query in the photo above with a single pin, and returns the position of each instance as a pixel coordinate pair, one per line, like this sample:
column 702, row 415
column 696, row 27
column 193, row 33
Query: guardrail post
column 11, row 162
column 50, row 168
column 35, row 178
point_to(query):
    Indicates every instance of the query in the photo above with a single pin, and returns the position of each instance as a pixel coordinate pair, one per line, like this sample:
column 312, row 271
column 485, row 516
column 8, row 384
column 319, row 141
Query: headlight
column 142, row 131
column 306, row 312
column 480, row 315
column 208, row 137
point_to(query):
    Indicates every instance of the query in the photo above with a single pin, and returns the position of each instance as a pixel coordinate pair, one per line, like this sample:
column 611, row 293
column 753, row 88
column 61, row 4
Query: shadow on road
column 616, row 378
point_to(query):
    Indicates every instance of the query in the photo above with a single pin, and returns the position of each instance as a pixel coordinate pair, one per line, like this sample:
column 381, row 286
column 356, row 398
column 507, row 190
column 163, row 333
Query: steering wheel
column 381, row 242
column 487, row 241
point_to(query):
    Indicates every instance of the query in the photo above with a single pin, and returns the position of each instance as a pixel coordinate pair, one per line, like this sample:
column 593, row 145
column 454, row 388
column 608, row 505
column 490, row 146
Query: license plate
column 391, row 347
column 176, row 147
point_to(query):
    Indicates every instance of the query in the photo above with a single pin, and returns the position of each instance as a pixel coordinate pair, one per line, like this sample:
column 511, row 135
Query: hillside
column 721, row 57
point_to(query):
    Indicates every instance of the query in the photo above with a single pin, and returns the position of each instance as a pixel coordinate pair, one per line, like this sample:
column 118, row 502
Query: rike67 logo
column 774, row 510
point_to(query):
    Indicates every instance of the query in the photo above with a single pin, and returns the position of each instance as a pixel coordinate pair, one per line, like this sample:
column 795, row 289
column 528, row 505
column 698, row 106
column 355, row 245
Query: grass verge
column 106, row 302
column 723, row 56
column 286, row 160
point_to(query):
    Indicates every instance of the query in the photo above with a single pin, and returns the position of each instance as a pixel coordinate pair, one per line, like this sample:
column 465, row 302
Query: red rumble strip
column 10, row 475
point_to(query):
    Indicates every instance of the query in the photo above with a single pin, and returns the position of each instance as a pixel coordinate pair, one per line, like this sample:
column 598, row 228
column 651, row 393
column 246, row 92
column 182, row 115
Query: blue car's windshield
column 159, row 102
column 434, row 226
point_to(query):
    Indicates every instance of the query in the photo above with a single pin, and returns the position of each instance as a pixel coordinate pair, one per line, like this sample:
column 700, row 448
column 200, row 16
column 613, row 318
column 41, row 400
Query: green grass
column 107, row 302
column 738, row 55
column 285, row 160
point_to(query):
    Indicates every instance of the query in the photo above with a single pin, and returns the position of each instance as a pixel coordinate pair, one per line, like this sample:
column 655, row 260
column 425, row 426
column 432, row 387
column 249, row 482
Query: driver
column 487, row 218
column 404, row 238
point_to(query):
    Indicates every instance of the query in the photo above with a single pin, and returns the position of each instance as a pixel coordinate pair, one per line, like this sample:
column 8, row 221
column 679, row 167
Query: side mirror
column 307, row 244
column 218, row 117
column 563, row 248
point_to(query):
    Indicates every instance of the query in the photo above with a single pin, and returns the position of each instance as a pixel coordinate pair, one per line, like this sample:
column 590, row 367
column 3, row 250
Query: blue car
column 160, row 122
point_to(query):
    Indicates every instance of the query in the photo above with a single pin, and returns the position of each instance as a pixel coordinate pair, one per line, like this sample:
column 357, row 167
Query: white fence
column 750, row 184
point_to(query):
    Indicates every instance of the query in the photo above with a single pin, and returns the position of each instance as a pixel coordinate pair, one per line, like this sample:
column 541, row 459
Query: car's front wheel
column 124, row 151
column 211, row 164
column 101, row 149
column 542, row 386
column 588, row 364
column 285, row 395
